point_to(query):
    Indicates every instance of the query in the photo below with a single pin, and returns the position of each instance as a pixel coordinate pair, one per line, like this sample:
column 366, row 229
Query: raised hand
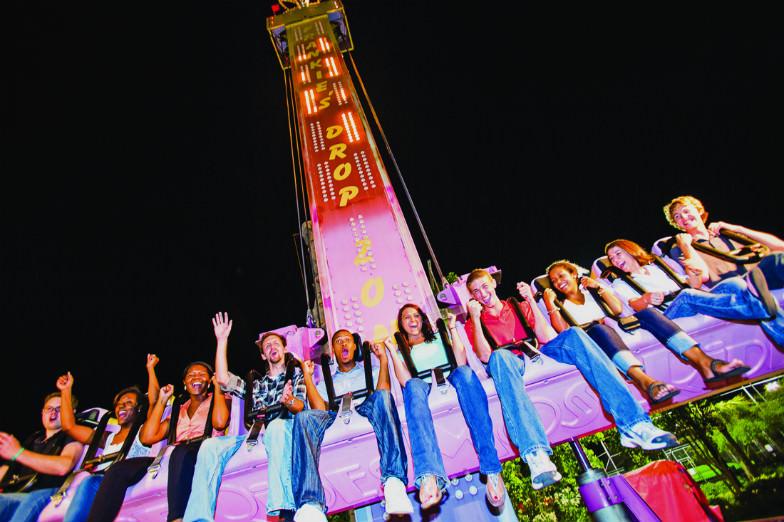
column 525, row 291
column 684, row 240
column 549, row 297
column 474, row 308
column 308, row 367
column 389, row 342
column 166, row 393
column 378, row 350
column 221, row 325
column 451, row 320
column 152, row 361
column 65, row 382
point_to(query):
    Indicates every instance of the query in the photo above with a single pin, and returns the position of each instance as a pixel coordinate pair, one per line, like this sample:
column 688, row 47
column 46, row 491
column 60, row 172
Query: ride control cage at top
column 278, row 23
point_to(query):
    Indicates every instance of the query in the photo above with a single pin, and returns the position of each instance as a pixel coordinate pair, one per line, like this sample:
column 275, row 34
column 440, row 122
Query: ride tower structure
column 367, row 263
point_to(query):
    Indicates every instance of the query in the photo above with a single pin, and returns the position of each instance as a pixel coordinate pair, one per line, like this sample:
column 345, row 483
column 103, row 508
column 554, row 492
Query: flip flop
column 656, row 385
column 740, row 370
column 495, row 481
column 435, row 498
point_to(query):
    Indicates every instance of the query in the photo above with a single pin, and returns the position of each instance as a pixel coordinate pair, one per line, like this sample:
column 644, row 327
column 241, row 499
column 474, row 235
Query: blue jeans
column 24, row 507
column 665, row 330
column 473, row 404
column 772, row 266
column 424, row 445
column 308, row 434
column 215, row 453
column 82, row 499
column 572, row 346
column 731, row 299
column 613, row 346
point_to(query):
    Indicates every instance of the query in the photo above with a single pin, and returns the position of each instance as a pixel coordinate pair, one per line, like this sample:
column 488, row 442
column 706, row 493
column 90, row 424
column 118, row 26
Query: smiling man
column 36, row 469
column 273, row 388
column 688, row 214
column 379, row 408
column 572, row 346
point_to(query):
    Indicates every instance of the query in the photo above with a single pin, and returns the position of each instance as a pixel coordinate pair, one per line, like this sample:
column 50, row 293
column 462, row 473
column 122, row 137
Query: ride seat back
column 440, row 371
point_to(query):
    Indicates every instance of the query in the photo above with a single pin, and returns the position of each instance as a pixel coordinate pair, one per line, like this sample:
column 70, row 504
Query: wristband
column 17, row 454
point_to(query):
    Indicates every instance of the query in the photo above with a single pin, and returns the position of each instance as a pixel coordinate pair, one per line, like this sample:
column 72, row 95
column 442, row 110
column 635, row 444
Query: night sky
column 148, row 181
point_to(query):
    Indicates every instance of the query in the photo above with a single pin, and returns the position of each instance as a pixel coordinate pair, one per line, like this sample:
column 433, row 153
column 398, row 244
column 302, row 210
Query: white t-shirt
column 652, row 279
column 585, row 313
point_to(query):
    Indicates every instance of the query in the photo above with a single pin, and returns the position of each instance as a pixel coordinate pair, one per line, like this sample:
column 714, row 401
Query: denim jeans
column 82, row 499
column 612, row 345
column 523, row 424
column 24, row 507
column 772, row 267
column 665, row 330
column 424, row 445
column 572, row 346
column 214, row 455
column 473, row 403
column 308, row 434
column 730, row 299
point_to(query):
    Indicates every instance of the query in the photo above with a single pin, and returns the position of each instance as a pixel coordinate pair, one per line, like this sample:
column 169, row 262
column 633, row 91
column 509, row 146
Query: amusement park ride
column 366, row 267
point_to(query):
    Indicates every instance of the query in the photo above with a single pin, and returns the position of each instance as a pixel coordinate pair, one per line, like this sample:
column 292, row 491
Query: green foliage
column 451, row 278
column 761, row 498
column 343, row 516
column 560, row 501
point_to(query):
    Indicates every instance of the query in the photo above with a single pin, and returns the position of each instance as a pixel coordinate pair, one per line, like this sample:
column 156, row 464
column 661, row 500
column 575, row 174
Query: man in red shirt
column 572, row 346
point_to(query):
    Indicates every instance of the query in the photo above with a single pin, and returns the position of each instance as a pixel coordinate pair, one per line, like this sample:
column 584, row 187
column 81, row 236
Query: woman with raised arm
column 126, row 411
column 732, row 300
column 204, row 414
column 584, row 309
column 428, row 350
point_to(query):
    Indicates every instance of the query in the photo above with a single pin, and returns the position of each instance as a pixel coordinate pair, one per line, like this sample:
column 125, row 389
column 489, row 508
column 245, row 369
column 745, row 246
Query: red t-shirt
column 505, row 328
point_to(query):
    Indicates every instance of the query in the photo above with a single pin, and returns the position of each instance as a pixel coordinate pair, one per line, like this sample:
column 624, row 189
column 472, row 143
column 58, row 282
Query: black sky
column 148, row 180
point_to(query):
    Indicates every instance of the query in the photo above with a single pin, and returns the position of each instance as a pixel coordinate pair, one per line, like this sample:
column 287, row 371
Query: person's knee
column 501, row 362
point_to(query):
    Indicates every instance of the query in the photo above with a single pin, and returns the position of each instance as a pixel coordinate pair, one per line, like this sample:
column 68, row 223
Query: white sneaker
column 647, row 436
column 396, row 501
column 310, row 513
column 543, row 471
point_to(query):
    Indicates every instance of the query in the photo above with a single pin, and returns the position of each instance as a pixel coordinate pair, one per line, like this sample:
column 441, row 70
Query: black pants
column 182, row 462
column 119, row 477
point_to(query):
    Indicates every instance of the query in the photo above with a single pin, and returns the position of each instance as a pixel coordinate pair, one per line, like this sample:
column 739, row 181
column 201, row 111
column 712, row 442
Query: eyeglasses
column 51, row 410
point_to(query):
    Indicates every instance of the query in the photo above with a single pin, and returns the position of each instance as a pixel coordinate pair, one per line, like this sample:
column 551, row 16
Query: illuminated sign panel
column 368, row 266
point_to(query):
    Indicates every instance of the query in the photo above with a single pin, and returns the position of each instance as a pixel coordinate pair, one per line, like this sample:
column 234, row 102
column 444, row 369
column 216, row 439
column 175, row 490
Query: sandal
column 495, row 482
column 427, row 498
column 655, row 386
column 717, row 376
